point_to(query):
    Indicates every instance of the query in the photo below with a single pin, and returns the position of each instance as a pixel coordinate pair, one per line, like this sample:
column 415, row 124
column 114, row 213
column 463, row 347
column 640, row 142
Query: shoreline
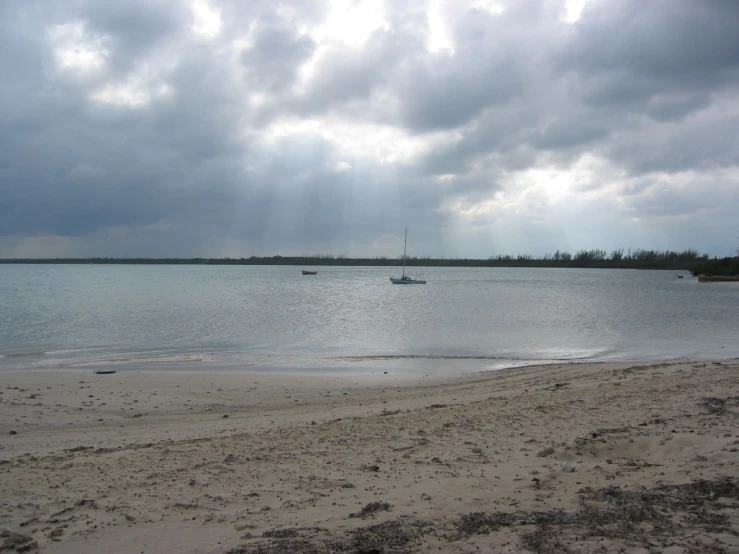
column 718, row 278
column 408, row 367
column 213, row 462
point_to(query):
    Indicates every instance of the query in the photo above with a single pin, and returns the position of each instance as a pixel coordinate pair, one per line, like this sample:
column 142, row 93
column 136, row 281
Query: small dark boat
column 305, row 272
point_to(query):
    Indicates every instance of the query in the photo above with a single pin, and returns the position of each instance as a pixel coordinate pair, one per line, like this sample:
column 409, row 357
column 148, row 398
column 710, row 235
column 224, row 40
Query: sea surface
column 352, row 319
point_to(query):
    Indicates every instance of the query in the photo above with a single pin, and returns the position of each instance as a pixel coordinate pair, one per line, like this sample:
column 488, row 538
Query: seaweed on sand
column 287, row 546
column 384, row 538
column 633, row 517
column 717, row 406
column 391, row 537
column 689, row 515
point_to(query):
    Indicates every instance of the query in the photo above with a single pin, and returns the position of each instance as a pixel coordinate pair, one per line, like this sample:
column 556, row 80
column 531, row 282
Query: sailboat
column 405, row 279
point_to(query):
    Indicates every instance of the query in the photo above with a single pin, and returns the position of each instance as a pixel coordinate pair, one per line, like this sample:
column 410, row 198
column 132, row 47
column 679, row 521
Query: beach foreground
column 565, row 458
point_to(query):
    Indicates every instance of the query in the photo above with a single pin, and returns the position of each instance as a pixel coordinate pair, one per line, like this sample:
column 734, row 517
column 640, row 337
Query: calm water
column 354, row 318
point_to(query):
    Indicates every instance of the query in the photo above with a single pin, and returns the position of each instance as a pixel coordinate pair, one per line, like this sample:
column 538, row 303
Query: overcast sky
column 238, row 128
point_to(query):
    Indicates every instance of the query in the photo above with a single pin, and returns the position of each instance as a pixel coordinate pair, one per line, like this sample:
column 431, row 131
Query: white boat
column 405, row 279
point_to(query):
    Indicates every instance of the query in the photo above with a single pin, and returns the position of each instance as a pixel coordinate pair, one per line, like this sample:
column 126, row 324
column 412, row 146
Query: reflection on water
column 353, row 318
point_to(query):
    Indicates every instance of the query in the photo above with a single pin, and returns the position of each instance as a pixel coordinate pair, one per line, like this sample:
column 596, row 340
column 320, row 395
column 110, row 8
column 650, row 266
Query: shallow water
column 353, row 318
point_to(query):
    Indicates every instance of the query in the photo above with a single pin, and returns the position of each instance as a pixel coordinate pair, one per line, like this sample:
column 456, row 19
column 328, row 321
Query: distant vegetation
column 722, row 267
column 719, row 269
column 627, row 259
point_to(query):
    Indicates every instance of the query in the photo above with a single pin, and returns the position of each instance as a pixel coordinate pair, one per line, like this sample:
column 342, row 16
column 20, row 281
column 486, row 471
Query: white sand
column 160, row 462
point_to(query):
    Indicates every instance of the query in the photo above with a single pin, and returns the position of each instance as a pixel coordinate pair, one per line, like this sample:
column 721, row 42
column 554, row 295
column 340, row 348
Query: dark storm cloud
column 71, row 167
column 611, row 85
column 447, row 94
column 22, row 63
column 345, row 78
column 276, row 55
column 671, row 107
column 700, row 144
column 446, row 91
column 651, row 88
column 663, row 200
column 134, row 27
column 429, row 91
column 560, row 134
column 690, row 42
column 634, row 55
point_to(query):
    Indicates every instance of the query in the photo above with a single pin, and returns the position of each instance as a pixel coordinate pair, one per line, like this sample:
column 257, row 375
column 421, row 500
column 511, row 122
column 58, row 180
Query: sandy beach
column 562, row 458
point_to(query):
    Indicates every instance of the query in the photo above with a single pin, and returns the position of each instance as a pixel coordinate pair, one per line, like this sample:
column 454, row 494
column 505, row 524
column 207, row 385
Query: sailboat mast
column 405, row 243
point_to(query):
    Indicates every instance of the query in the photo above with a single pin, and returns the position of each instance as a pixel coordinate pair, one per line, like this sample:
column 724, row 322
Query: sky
column 234, row 128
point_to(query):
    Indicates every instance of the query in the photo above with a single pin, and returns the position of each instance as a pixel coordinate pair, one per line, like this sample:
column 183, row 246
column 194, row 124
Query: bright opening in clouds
column 206, row 18
column 224, row 128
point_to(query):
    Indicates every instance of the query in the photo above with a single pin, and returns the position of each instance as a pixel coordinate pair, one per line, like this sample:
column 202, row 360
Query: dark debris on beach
column 664, row 513
column 390, row 537
column 691, row 515
column 286, row 546
column 371, row 509
column 16, row 542
column 717, row 406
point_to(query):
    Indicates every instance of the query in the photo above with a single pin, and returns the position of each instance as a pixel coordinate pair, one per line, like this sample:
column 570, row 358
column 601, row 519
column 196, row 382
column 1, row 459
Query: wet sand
column 574, row 457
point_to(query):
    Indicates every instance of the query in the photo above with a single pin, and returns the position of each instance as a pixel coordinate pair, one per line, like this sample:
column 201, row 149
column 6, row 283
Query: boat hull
column 309, row 272
column 395, row 281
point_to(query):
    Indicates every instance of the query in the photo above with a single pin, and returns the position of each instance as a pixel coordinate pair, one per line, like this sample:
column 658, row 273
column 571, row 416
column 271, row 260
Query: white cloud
column 439, row 37
column 350, row 22
column 206, row 18
column 136, row 92
column 385, row 144
column 75, row 50
column 573, row 10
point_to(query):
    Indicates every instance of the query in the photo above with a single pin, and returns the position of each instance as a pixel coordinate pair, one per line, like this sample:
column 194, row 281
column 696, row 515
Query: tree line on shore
column 722, row 267
column 595, row 258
